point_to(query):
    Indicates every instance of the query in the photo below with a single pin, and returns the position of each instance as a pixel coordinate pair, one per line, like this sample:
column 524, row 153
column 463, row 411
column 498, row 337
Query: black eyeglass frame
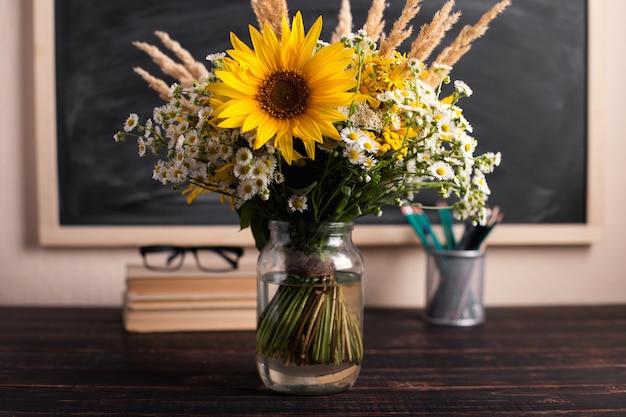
column 230, row 254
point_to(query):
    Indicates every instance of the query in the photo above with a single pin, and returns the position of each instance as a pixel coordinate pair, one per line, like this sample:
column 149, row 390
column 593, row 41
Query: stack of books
column 188, row 300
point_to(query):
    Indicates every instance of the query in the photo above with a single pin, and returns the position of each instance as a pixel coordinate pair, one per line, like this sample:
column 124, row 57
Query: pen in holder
column 454, row 287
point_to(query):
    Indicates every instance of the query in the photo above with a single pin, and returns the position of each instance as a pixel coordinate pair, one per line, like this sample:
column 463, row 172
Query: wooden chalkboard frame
column 54, row 234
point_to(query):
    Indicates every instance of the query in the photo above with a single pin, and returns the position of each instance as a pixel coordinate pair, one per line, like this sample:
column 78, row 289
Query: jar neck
column 302, row 235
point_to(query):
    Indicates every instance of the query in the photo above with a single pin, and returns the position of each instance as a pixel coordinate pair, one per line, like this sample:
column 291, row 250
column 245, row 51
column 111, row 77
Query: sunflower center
column 284, row 94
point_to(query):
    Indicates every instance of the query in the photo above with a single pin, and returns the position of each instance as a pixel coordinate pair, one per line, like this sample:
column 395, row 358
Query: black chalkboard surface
column 528, row 73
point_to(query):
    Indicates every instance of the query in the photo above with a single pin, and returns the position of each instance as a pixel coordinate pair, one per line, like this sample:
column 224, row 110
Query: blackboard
column 528, row 74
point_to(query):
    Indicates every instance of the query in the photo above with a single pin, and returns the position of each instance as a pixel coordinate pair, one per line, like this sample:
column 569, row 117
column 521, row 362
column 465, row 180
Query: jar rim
column 327, row 225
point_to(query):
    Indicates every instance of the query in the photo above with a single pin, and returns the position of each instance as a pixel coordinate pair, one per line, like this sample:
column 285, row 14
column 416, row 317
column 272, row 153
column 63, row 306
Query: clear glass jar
column 310, row 309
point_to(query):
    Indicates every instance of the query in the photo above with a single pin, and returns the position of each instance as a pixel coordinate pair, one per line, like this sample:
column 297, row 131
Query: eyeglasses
column 208, row 258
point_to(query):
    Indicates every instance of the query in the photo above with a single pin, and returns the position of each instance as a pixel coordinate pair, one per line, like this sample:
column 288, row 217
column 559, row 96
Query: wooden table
column 547, row 361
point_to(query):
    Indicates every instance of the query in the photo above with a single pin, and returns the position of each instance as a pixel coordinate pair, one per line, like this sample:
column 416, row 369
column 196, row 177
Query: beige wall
column 32, row 275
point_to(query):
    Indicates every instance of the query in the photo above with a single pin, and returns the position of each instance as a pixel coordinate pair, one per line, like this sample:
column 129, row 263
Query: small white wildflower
column 159, row 173
column 243, row 156
column 369, row 145
column 270, row 162
column 177, row 173
column 350, row 134
column 497, row 159
column 247, row 189
column 298, row 203
column 260, row 169
column 395, row 120
column 279, row 178
column 413, row 63
column 354, row 153
column 225, row 151
column 191, row 137
column 463, row 88
column 205, row 112
column 141, row 145
column 464, row 124
column 467, row 145
column 441, row 170
column 148, row 128
column 385, row 96
column 480, row 182
column 242, row 171
column 180, row 142
column 215, row 57
column 260, row 182
column 182, row 126
column 131, row 122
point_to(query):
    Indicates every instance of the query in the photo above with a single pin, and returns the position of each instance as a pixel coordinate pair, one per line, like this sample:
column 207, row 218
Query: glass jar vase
column 310, row 309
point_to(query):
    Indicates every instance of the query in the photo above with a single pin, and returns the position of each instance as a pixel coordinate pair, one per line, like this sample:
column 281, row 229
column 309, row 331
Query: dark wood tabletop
column 540, row 361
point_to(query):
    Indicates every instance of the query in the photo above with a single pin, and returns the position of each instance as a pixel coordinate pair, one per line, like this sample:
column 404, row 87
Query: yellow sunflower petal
column 254, row 119
column 243, row 90
column 265, row 132
column 284, row 142
column 306, row 44
column 266, row 48
column 238, row 108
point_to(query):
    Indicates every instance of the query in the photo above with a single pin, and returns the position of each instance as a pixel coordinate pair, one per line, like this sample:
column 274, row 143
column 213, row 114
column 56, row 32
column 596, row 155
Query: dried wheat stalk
column 270, row 12
column 154, row 83
column 167, row 64
column 463, row 42
column 431, row 34
column 400, row 30
column 344, row 25
column 374, row 24
column 195, row 68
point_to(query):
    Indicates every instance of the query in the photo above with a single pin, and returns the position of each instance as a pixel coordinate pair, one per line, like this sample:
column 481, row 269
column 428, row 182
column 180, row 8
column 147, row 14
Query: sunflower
column 285, row 89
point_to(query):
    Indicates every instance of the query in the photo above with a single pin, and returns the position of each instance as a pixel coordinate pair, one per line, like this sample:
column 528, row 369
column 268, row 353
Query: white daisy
column 243, row 171
column 368, row 163
column 279, row 178
column 298, row 203
column 270, row 163
column 131, row 122
column 191, row 137
column 243, row 156
column 468, row 144
column 354, row 153
column 141, row 145
column 395, row 120
column 369, row 145
column 225, row 151
column 177, row 173
column 215, row 57
column 247, row 189
column 462, row 88
column 350, row 134
column 159, row 173
column 148, row 128
column 260, row 169
column 441, row 170
column 480, row 182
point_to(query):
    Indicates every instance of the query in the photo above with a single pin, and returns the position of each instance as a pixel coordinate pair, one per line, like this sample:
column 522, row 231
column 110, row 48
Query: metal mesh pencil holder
column 454, row 287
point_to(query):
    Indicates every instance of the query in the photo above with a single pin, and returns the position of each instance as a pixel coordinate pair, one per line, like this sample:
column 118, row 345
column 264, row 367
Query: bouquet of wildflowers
column 296, row 129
